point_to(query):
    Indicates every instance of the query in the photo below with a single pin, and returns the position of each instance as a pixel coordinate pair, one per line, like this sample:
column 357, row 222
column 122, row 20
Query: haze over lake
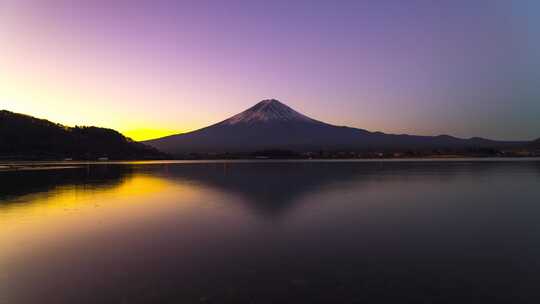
column 271, row 232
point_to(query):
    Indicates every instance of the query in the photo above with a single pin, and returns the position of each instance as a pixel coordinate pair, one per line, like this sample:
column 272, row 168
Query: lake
column 461, row 231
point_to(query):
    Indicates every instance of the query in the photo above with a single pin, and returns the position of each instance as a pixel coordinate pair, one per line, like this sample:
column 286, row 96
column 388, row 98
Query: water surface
column 271, row 232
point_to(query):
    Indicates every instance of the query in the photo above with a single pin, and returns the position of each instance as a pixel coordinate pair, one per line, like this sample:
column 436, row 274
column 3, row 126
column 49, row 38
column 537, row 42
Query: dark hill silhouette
column 27, row 137
column 271, row 124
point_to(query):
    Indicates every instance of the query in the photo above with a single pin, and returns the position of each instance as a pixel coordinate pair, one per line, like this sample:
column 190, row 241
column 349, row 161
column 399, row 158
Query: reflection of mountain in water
column 274, row 187
column 268, row 187
column 19, row 183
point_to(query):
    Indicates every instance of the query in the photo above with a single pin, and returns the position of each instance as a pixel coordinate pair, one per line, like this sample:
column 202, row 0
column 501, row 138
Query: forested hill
column 27, row 137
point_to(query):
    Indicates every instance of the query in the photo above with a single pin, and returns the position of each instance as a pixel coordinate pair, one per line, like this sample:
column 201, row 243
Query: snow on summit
column 266, row 111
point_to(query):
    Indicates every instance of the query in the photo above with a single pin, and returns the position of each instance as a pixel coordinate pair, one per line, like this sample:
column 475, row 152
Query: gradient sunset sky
column 153, row 68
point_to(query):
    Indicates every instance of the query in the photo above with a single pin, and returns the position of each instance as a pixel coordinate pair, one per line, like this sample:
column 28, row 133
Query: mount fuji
column 271, row 124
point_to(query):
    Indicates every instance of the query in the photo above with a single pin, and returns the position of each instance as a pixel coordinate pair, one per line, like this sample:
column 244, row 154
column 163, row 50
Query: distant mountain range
column 271, row 125
column 27, row 137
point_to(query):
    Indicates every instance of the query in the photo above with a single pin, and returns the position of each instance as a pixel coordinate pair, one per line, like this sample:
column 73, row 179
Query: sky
column 153, row 68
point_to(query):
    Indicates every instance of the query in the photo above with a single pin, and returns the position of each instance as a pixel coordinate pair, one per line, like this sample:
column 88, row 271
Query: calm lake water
column 271, row 232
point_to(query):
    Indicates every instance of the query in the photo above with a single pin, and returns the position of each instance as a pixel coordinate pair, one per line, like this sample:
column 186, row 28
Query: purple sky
column 149, row 68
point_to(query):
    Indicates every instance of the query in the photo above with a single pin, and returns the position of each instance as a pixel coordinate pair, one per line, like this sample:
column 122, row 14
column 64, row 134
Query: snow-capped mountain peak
column 271, row 124
column 266, row 111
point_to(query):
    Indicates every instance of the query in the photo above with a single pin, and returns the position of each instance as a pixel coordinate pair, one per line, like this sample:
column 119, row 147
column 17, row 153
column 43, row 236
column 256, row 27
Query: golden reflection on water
column 33, row 221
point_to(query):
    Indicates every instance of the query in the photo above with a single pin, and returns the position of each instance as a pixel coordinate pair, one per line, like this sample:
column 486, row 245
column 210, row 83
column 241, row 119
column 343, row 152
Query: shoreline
column 58, row 165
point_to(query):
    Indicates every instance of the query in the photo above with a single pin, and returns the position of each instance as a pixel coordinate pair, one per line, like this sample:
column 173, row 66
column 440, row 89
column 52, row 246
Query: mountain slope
column 272, row 125
column 27, row 137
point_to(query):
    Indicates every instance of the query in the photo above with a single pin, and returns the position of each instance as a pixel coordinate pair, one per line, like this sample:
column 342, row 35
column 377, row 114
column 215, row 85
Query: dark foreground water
column 297, row 232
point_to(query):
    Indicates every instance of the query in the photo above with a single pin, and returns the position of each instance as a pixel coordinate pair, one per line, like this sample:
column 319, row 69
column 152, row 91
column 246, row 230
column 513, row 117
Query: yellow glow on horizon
column 146, row 134
column 75, row 92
